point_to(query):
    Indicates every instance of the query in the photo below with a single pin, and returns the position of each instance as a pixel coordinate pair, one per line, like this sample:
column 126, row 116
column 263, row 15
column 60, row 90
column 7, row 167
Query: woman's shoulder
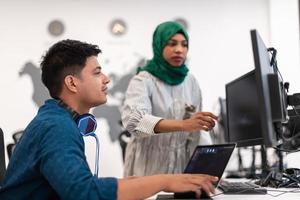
column 191, row 79
column 191, row 76
column 146, row 77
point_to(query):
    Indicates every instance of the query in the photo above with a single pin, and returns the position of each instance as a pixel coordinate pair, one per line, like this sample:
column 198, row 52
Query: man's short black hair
column 66, row 57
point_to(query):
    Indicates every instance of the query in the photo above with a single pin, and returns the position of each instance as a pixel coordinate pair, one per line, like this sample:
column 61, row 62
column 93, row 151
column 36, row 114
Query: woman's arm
column 198, row 121
column 137, row 115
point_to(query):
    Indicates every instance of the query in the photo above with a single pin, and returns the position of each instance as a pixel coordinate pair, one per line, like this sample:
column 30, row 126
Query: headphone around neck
column 87, row 125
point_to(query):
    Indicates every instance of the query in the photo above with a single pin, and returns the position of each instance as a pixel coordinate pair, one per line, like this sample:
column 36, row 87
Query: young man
column 49, row 160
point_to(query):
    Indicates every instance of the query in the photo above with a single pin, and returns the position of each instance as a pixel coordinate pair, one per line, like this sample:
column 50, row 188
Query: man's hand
column 190, row 182
column 136, row 188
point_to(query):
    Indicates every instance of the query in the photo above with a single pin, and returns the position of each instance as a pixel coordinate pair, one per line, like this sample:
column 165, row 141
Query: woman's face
column 175, row 50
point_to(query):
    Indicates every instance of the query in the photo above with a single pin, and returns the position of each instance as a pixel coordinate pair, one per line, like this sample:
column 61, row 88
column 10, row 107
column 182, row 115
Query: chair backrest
column 124, row 138
column 17, row 136
column 2, row 156
column 10, row 148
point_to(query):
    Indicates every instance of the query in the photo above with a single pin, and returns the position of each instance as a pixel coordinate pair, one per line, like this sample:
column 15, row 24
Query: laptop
column 206, row 159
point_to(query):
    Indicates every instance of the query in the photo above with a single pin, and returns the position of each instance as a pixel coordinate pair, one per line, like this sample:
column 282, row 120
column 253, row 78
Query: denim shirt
column 49, row 162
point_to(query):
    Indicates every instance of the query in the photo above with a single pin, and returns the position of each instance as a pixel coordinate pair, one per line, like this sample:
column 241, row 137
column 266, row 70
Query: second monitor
column 243, row 119
column 256, row 101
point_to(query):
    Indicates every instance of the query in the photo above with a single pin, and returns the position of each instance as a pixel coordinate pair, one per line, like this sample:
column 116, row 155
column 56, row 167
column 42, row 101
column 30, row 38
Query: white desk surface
column 273, row 194
column 280, row 194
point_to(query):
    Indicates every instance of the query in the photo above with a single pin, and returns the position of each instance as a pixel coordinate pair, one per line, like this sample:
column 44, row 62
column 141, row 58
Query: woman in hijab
column 162, row 108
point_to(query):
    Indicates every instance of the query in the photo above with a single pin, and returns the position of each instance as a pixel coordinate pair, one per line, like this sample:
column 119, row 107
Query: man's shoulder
column 51, row 122
column 52, row 113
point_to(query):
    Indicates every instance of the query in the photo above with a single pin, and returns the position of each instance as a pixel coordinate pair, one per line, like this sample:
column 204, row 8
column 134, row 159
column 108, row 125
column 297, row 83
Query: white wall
column 220, row 48
column 285, row 38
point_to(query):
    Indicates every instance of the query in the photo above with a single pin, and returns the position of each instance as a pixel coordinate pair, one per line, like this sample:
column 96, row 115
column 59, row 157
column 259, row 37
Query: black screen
column 243, row 119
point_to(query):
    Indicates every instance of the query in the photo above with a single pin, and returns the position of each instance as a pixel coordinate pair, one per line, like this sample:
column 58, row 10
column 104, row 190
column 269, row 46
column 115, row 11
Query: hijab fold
column 158, row 66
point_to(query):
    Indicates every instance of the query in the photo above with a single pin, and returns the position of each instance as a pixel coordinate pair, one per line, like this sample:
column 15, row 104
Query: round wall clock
column 56, row 28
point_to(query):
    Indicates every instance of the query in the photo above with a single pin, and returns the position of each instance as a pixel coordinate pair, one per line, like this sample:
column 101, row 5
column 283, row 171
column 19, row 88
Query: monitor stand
column 242, row 172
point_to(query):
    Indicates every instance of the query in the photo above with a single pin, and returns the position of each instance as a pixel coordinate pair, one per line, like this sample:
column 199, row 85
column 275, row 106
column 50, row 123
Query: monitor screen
column 243, row 119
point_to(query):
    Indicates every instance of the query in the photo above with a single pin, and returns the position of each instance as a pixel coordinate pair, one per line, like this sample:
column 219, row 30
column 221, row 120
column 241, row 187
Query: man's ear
column 71, row 83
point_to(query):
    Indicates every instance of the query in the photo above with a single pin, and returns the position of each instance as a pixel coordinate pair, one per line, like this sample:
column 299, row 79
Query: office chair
column 2, row 156
column 124, row 137
column 10, row 147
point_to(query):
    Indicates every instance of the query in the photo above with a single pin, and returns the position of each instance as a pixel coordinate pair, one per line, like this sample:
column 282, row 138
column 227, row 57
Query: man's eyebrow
column 98, row 67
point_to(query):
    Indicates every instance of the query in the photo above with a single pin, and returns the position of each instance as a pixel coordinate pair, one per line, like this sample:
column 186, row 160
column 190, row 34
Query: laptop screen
column 210, row 159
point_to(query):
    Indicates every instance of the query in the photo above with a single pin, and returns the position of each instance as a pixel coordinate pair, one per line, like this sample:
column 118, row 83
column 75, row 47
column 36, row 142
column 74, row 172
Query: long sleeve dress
column 148, row 100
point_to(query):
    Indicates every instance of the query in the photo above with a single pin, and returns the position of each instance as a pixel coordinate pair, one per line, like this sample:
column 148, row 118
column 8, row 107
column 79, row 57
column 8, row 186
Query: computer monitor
column 222, row 120
column 243, row 119
column 271, row 93
column 256, row 102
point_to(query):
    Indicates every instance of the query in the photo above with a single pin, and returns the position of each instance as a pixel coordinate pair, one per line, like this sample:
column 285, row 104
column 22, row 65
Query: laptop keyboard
column 241, row 188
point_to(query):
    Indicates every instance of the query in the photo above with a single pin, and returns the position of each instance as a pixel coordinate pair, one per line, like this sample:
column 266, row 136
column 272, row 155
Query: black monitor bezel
column 262, row 69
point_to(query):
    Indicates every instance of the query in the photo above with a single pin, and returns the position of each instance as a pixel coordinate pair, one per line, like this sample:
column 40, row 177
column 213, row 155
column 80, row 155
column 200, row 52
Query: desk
column 280, row 194
column 273, row 194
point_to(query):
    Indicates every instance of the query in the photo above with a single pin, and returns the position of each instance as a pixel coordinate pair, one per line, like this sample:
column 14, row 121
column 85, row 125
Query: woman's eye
column 174, row 43
column 185, row 44
column 171, row 43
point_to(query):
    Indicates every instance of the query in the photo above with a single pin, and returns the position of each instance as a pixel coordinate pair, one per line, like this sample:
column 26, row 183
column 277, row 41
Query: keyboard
column 241, row 188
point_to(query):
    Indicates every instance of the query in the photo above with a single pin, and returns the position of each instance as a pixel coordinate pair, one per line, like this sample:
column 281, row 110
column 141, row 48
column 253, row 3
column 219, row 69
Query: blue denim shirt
column 49, row 162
